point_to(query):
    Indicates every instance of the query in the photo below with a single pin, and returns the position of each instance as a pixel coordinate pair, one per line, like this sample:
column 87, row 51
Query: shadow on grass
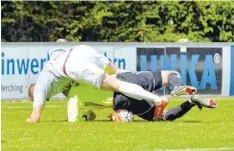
column 144, row 121
column 53, row 121
column 189, row 121
column 61, row 121
column 135, row 121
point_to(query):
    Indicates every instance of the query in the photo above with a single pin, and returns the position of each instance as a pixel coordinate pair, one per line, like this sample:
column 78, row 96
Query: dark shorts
column 142, row 108
column 158, row 79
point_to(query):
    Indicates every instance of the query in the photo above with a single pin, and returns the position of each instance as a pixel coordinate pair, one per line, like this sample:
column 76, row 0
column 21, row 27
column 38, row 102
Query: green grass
column 209, row 128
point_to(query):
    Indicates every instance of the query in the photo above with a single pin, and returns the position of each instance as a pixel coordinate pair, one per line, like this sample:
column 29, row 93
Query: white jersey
column 82, row 64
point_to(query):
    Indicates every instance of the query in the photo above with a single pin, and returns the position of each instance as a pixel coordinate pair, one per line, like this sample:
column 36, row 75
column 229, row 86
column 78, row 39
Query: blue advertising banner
column 200, row 67
column 232, row 72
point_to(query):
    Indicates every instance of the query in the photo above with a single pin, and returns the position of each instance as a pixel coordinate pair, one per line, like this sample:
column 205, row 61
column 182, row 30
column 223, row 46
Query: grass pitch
column 209, row 129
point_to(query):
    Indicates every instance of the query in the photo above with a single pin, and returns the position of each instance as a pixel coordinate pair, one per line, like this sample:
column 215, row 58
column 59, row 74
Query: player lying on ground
column 87, row 66
column 146, row 109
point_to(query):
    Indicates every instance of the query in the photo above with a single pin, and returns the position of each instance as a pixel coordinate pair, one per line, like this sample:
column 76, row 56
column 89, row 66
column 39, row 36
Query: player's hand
column 31, row 120
column 36, row 113
column 28, row 120
column 35, row 117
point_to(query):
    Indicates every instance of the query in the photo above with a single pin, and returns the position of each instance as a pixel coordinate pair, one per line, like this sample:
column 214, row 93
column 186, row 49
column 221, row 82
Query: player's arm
column 36, row 113
column 39, row 97
column 37, row 110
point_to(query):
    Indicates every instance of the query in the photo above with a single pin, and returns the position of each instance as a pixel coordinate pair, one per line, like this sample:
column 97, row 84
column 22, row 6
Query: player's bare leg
column 173, row 78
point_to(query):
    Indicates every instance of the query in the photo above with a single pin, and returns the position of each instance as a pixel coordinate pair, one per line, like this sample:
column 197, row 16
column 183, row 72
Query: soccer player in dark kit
column 151, row 81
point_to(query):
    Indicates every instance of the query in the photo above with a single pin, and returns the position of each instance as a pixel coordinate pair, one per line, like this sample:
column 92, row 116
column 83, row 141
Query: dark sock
column 174, row 79
column 178, row 111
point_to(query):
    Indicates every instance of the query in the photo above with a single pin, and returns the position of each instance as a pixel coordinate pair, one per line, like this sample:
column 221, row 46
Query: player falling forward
column 151, row 82
column 87, row 66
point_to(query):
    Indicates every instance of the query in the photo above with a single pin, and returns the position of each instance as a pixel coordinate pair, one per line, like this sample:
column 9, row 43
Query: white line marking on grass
column 198, row 149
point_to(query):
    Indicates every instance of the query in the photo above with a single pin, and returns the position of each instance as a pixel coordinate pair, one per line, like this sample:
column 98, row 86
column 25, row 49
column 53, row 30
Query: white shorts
column 86, row 65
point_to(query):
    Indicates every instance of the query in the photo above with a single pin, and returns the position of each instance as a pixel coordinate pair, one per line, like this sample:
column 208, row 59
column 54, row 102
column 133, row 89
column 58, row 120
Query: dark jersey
column 150, row 81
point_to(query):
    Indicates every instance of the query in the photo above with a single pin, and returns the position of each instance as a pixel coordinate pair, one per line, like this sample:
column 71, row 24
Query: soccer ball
column 122, row 116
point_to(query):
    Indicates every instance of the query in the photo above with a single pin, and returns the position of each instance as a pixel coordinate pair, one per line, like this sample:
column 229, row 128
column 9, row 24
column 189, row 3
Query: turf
column 209, row 128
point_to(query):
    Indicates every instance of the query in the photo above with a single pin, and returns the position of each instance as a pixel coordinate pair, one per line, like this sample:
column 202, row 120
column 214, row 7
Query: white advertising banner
column 22, row 62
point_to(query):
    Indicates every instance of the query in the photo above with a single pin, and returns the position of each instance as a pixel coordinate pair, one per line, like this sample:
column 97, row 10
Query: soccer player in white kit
column 86, row 66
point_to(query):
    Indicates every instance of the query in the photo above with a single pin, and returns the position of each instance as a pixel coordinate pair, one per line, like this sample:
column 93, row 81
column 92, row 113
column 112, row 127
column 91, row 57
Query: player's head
column 30, row 91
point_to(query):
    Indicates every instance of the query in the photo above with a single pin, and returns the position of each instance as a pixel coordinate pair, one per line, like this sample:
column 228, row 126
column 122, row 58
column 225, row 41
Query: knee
column 176, row 72
column 110, row 82
column 166, row 74
column 172, row 71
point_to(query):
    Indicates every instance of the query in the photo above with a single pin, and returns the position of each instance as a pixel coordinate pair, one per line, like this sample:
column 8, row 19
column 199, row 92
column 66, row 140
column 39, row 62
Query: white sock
column 72, row 109
column 135, row 91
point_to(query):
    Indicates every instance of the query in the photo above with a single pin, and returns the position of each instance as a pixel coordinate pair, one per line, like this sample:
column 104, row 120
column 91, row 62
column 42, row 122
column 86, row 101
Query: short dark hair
column 30, row 91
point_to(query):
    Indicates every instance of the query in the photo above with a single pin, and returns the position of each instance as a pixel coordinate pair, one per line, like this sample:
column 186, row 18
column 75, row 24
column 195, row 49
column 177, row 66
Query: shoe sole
column 208, row 103
column 184, row 91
